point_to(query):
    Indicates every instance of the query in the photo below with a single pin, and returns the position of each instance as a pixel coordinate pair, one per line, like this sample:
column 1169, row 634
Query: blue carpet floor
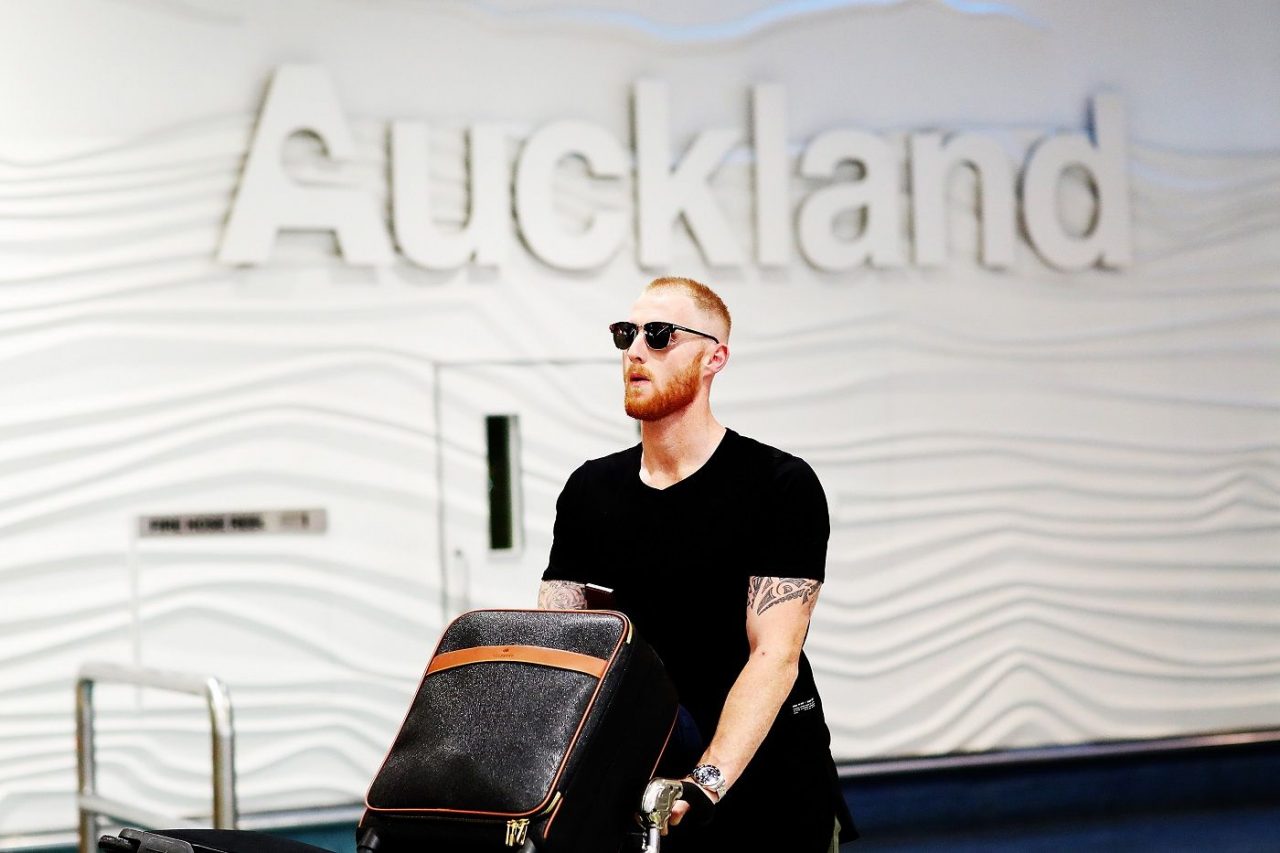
column 1254, row 830
column 1220, row 801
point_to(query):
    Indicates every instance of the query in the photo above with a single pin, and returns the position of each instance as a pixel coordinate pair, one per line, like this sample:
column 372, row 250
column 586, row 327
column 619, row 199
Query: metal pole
column 223, row 743
column 86, row 772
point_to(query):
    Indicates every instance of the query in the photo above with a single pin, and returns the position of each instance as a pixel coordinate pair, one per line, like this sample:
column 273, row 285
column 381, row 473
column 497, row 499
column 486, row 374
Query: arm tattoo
column 763, row 593
column 562, row 595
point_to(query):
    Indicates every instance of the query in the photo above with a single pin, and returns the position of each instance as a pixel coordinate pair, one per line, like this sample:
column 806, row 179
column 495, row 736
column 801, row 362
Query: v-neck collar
column 715, row 454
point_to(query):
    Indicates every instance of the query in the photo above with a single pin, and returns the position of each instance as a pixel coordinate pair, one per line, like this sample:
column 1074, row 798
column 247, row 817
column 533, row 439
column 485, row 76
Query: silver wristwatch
column 709, row 777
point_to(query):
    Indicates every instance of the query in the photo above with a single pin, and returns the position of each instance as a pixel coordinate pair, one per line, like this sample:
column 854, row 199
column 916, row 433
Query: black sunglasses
column 656, row 335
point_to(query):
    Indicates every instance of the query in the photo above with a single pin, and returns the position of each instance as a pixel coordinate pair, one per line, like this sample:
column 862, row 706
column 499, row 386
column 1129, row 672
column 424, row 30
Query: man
column 715, row 546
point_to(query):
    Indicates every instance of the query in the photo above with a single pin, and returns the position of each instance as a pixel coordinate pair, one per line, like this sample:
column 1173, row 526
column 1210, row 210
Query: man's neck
column 676, row 446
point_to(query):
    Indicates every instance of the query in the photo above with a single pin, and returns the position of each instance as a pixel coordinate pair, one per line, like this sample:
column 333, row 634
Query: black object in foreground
column 528, row 724
column 201, row 841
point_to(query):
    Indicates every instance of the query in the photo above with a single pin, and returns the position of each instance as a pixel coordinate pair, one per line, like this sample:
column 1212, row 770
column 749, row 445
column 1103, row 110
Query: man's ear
column 719, row 358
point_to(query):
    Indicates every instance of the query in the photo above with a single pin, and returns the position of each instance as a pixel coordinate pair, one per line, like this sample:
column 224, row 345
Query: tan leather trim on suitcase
column 557, row 658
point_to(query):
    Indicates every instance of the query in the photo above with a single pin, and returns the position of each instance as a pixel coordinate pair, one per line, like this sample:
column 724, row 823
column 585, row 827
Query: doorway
column 510, row 435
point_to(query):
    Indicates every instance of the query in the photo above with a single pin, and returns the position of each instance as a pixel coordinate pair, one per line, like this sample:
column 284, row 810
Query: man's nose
column 636, row 351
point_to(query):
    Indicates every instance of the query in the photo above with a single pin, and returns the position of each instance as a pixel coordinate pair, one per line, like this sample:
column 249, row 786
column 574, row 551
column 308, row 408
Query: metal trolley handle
column 659, row 799
column 93, row 805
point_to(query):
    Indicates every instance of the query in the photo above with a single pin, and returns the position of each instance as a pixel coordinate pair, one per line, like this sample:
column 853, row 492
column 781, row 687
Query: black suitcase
column 528, row 724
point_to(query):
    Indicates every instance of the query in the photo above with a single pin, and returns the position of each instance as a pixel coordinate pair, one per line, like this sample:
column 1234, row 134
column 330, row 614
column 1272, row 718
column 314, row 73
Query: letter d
column 1108, row 242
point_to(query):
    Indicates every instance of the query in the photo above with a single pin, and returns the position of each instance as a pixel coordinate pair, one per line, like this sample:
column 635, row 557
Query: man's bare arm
column 778, row 613
column 562, row 595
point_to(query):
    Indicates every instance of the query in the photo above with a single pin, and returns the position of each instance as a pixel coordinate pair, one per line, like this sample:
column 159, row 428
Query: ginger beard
column 678, row 391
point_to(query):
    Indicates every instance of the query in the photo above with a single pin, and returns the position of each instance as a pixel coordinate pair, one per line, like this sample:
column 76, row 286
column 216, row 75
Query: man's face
column 662, row 382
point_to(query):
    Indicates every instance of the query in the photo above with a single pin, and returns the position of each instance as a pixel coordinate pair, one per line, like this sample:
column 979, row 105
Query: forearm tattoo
column 763, row 593
column 562, row 595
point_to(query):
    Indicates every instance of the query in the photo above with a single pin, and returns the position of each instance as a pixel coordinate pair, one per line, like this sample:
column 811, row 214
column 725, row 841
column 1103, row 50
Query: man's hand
column 562, row 595
column 681, row 807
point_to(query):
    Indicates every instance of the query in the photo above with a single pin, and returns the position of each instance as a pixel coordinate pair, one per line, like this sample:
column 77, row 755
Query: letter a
column 300, row 98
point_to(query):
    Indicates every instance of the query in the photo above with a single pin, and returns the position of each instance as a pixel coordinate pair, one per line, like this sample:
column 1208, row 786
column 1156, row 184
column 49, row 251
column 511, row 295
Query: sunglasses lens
column 623, row 334
column 657, row 335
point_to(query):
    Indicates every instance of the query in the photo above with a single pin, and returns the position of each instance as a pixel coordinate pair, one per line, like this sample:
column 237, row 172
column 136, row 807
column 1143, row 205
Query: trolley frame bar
column 92, row 805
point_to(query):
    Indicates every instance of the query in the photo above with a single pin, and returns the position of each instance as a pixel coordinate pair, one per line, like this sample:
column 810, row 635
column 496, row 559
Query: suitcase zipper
column 518, row 829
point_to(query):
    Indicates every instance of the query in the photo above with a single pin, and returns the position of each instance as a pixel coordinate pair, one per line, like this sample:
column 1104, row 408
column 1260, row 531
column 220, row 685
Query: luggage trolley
column 531, row 730
column 660, row 796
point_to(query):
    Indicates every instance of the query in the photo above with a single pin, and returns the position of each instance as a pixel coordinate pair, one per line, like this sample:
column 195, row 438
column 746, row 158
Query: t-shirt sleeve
column 798, row 523
column 570, row 545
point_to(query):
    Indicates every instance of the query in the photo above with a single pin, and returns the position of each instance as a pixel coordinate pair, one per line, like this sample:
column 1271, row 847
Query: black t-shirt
column 679, row 560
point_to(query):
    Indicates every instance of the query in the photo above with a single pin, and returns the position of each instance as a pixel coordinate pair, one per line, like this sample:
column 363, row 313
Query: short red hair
column 704, row 297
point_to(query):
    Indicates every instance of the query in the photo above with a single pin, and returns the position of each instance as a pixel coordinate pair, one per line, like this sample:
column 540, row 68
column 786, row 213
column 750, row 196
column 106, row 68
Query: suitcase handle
column 138, row 841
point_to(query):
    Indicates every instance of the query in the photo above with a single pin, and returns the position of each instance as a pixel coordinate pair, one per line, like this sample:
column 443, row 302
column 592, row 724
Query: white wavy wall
column 1055, row 498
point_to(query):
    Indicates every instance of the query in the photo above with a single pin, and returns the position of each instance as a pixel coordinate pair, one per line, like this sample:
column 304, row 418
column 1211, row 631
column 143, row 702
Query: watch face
column 708, row 775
